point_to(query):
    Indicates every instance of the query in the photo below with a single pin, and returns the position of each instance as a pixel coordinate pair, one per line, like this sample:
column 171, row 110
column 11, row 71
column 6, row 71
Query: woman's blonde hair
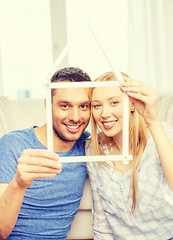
column 137, row 140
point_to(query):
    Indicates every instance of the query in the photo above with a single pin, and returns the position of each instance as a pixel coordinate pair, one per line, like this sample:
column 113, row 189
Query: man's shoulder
column 84, row 135
column 16, row 136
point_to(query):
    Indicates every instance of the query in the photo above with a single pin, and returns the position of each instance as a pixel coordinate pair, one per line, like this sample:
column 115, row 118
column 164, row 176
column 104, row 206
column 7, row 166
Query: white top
column 153, row 216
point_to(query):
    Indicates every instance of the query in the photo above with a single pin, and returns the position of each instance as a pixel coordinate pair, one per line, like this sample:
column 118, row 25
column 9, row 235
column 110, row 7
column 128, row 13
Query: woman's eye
column 114, row 103
column 96, row 106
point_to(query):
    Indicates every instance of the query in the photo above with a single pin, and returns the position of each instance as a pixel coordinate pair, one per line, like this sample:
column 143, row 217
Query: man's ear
column 45, row 103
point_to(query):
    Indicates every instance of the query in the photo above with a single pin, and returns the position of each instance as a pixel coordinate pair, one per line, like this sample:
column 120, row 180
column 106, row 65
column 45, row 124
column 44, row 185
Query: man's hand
column 36, row 163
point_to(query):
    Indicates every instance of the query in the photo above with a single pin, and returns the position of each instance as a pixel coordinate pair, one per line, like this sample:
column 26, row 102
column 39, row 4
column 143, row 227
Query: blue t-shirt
column 49, row 204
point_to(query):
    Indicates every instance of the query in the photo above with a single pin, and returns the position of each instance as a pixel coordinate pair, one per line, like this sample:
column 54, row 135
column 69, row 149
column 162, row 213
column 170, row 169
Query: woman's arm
column 144, row 99
column 165, row 150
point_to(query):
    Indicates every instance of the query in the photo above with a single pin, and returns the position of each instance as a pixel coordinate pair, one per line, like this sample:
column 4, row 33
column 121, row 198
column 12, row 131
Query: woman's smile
column 109, row 124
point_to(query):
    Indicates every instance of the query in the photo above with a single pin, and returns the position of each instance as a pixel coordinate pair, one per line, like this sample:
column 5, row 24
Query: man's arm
column 11, row 198
column 33, row 164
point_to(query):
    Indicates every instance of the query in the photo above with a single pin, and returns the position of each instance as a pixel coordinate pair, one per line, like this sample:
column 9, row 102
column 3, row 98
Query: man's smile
column 73, row 127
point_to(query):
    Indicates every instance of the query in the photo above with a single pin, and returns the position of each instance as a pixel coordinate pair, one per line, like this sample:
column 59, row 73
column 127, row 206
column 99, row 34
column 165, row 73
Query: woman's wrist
column 153, row 124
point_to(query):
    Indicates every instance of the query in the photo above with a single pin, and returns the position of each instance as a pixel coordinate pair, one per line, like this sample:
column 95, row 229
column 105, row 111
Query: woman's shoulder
column 88, row 147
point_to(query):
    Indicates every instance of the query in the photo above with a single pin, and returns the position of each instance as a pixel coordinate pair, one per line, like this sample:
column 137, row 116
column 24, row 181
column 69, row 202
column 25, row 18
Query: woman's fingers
column 139, row 90
column 144, row 98
column 135, row 86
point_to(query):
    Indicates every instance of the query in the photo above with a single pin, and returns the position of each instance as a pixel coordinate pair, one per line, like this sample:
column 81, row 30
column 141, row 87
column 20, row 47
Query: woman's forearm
column 164, row 149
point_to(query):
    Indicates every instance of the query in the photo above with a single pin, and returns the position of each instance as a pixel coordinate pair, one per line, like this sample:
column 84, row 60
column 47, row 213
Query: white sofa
column 18, row 114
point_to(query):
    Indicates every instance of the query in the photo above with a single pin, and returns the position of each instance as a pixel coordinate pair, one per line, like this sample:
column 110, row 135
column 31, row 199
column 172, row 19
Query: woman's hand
column 143, row 97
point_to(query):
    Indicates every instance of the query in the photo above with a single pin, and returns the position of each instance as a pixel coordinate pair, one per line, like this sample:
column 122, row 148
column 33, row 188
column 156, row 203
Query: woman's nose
column 105, row 112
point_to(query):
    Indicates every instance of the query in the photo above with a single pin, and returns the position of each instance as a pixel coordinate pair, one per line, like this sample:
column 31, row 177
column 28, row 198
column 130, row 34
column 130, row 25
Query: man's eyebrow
column 62, row 101
column 86, row 102
column 65, row 101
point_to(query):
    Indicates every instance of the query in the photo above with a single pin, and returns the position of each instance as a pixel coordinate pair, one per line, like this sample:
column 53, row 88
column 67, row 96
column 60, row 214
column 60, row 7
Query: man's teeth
column 73, row 127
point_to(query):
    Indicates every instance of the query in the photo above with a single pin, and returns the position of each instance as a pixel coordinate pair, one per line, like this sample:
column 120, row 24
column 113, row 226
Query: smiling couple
column 39, row 197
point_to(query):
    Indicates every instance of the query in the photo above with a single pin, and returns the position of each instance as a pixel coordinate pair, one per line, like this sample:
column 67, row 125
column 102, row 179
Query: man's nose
column 74, row 114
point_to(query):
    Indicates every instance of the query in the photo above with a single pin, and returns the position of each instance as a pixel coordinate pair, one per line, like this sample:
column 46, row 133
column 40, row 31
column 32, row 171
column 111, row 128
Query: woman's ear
column 132, row 108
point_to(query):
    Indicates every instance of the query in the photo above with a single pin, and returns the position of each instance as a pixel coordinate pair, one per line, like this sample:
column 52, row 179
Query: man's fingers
column 44, row 153
column 37, row 169
column 42, row 175
column 39, row 161
column 27, row 179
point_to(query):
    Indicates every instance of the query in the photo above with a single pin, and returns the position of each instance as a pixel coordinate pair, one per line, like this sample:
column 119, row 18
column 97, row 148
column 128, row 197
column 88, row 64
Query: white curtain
column 165, row 107
column 150, row 56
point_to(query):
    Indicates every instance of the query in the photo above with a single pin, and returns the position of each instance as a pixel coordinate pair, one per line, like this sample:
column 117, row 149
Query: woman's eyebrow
column 95, row 101
column 114, row 97
column 111, row 98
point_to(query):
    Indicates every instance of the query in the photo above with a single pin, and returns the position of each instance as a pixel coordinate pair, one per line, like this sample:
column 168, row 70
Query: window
column 27, row 41
column 25, row 47
column 111, row 20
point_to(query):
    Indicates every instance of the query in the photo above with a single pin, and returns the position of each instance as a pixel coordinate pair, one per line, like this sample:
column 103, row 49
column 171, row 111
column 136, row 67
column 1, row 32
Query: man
column 38, row 197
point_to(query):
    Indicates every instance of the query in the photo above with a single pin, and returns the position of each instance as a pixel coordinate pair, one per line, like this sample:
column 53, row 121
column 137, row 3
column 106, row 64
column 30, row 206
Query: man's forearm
column 11, row 198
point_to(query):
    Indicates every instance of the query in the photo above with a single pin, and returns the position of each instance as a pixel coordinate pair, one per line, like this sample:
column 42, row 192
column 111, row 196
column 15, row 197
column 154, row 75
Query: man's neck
column 59, row 145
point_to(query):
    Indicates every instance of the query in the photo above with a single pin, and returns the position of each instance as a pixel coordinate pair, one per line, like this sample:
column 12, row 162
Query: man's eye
column 84, row 106
column 64, row 106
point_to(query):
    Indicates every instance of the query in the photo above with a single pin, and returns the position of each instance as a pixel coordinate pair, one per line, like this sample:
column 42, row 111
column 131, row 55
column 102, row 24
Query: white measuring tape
column 125, row 157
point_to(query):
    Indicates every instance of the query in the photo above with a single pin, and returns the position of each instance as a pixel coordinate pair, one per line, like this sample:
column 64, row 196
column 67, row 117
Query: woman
column 135, row 200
